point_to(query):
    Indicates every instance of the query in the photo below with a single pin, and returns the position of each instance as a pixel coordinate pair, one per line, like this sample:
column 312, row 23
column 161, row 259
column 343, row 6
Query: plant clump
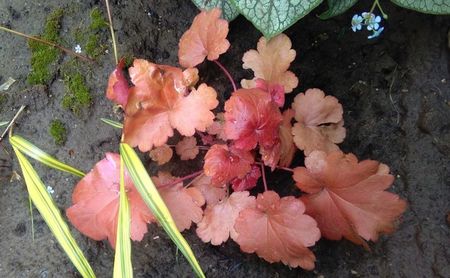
column 78, row 96
column 58, row 131
column 44, row 56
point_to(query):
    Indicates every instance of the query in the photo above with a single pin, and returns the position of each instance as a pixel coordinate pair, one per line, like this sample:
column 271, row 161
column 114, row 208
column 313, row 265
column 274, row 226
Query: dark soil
column 395, row 91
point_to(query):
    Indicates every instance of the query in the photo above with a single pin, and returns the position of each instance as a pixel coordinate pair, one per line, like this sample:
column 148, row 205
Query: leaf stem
column 227, row 73
column 263, row 173
column 111, row 29
column 190, row 176
column 33, row 38
column 278, row 167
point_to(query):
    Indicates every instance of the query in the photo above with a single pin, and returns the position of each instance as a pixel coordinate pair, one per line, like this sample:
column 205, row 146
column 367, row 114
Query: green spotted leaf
column 229, row 11
column 426, row 6
column 337, row 7
column 272, row 17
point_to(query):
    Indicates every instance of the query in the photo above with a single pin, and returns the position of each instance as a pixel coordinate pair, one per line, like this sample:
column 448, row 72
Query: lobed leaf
column 52, row 216
column 34, row 152
column 154, row 201
column 337, row 7
column 229, row 11
column 272, row 17
column 440, row 7
column 122, row 258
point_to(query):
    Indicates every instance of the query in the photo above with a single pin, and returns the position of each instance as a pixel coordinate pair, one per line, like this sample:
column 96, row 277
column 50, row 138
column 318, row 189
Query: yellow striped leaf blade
column 122, row 260
column 52, row 216
column 3, row 123
column 151, row 197
column 34, row 152
column 112, row 123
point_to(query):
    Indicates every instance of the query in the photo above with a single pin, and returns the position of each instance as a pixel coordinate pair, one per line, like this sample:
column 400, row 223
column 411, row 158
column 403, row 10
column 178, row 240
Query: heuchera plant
column 341, row 197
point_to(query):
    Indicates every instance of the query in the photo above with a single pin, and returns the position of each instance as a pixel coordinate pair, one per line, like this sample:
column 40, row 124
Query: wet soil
column 396, row 96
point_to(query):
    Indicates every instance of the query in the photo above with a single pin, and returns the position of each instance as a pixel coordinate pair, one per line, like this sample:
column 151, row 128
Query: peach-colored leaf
column 162, row 154
column 193, row 112
column 217, row 127
column 212, row 193
column 286, row 140
column 278, row 230
column 187, row 148
column 223, row 164
column 184, row 204
column 319, row 122
column 347, row 197
column 160, row 101
column 217, row 224
column 206, row 38
column 271, row 62
column 117, row 89
column 95, row 199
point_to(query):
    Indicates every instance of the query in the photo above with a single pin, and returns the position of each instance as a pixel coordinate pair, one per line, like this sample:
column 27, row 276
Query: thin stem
column 68, row 51
column 111, row 29
column 12, row 122
column 278, row 167
column 193, row 175
column 385, row 16
column 227, row 73
column 263, row 173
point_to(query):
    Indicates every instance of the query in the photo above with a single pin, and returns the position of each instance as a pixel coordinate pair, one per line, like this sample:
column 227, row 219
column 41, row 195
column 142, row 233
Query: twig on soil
column 390, row 96
column 68, row 51
column 11, row 123
column 111, row 29
column 193, row 175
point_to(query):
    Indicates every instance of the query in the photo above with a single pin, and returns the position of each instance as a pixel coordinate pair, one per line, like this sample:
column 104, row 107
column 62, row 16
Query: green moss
column 43, row 56
column 93, row 47
column 77, row 96
column 98, row 22
column 3, row 101
column 58, row 131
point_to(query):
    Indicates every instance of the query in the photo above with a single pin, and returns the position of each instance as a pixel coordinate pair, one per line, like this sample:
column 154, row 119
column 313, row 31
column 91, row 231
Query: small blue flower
column 375, row 33
column 357, row 22
column 372, row 21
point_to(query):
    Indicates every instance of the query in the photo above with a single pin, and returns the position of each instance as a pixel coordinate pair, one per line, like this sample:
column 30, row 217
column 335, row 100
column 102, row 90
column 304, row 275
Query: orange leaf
column 206, row 38
column 96, row 203
column 278, row 230
column 319, row 122
column 162, row 154
column 347, row 197
column 271, row 62
column 187, row 148
column 218, row 223
column 160, row 101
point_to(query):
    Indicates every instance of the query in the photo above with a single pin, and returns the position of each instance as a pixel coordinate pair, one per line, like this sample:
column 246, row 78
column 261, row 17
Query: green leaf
column 229, row 11
column 122, row 259
column 112, row 123
column 52, row 216
column 151, row 197
column 3, row 123
column 337, row 7
column 272, row 17
column 440, row 7
column 34, row 152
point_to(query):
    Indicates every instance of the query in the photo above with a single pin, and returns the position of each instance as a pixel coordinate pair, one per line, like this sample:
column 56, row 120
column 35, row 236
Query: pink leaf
column 96, row 203
column 187, row 148
column 248, row 181
column 212, row 194
column 117, row 90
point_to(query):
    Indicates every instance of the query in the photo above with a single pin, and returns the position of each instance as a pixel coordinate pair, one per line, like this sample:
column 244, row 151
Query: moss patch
column 98, row 22
column 58, row 131
column 77, row 95
column 3, row 101
column 43, row 56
